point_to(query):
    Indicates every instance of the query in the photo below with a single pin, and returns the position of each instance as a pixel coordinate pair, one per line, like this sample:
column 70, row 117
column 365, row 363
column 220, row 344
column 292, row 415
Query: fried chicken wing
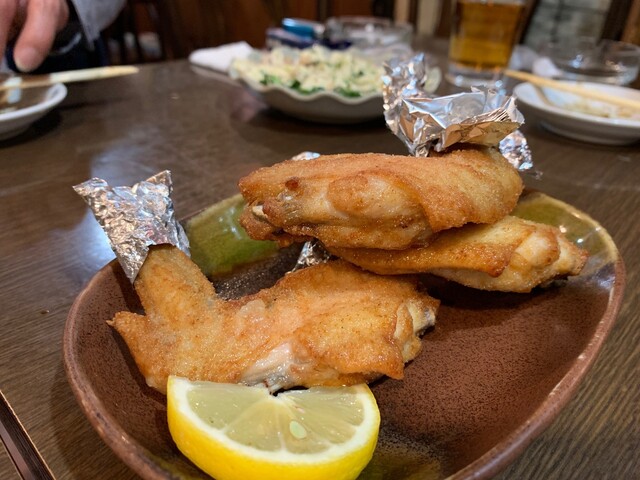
column 376, row 200
column 512, row 255
column 330, row 324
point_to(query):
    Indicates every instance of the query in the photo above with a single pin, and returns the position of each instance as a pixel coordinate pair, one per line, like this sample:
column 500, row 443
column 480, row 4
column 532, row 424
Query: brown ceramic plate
column 493, row 374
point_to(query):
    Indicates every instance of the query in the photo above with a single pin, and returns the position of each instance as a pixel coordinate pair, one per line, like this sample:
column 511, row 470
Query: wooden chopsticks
column 573, row 88
column 30, row 81
column 24, row 454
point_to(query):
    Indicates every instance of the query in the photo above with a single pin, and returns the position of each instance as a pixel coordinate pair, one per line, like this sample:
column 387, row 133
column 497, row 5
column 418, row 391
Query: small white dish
column 583, row 119
column 20, row 108
column 321, row 107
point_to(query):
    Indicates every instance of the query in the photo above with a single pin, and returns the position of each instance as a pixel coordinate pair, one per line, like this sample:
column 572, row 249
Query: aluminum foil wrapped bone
column 134, row 218
column 424, row 121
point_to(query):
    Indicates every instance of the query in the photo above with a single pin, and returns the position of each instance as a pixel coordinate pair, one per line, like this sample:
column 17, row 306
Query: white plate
column 323, row 107
column 566, row 114
column 20, row 108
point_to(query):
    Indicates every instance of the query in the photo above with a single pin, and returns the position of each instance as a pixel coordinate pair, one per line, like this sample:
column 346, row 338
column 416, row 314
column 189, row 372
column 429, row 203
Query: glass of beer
column 483, row 33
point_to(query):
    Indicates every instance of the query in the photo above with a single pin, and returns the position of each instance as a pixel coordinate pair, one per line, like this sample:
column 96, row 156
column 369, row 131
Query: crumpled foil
column 312, row 253
column 408, row 76
column 424, row 121
column 515, row 149
column 305, row 156
column 134, row 218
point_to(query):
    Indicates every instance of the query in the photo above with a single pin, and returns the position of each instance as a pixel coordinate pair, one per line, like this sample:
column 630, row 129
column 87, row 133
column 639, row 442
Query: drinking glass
column 589, row 59
column 483, row 34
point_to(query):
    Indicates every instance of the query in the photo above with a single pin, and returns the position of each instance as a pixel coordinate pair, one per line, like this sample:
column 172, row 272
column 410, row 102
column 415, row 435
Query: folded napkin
column 220, row 58
column 544, row 67
column 526, row 59
column 523, row 58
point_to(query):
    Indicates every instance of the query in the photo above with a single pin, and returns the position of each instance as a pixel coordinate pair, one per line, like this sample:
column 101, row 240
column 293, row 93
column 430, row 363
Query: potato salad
column 315, row 69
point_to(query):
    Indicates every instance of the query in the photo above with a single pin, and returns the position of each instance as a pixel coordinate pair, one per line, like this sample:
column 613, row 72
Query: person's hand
column 35, row 24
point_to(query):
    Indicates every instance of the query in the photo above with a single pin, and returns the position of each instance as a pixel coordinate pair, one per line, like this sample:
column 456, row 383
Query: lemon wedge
column 238, row 432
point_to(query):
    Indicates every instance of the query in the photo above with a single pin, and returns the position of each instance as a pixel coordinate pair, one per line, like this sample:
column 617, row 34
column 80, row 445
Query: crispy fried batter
column 512, row 255
column 330, row 324
column 375, row 200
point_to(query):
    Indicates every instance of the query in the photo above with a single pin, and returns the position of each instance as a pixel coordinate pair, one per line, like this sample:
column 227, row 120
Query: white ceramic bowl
column 582, row 119
column 323, row 65
column 322, row 107
column 25, row 107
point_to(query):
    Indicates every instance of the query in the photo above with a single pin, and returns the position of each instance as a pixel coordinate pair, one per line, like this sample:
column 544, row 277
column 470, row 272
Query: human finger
column 8, row 9
column 44, row 19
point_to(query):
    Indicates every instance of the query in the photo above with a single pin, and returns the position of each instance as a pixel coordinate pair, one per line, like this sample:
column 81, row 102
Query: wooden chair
column 135, row 17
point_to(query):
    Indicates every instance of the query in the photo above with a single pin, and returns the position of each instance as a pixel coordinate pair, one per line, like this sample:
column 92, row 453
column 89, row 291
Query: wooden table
column 210, row 132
